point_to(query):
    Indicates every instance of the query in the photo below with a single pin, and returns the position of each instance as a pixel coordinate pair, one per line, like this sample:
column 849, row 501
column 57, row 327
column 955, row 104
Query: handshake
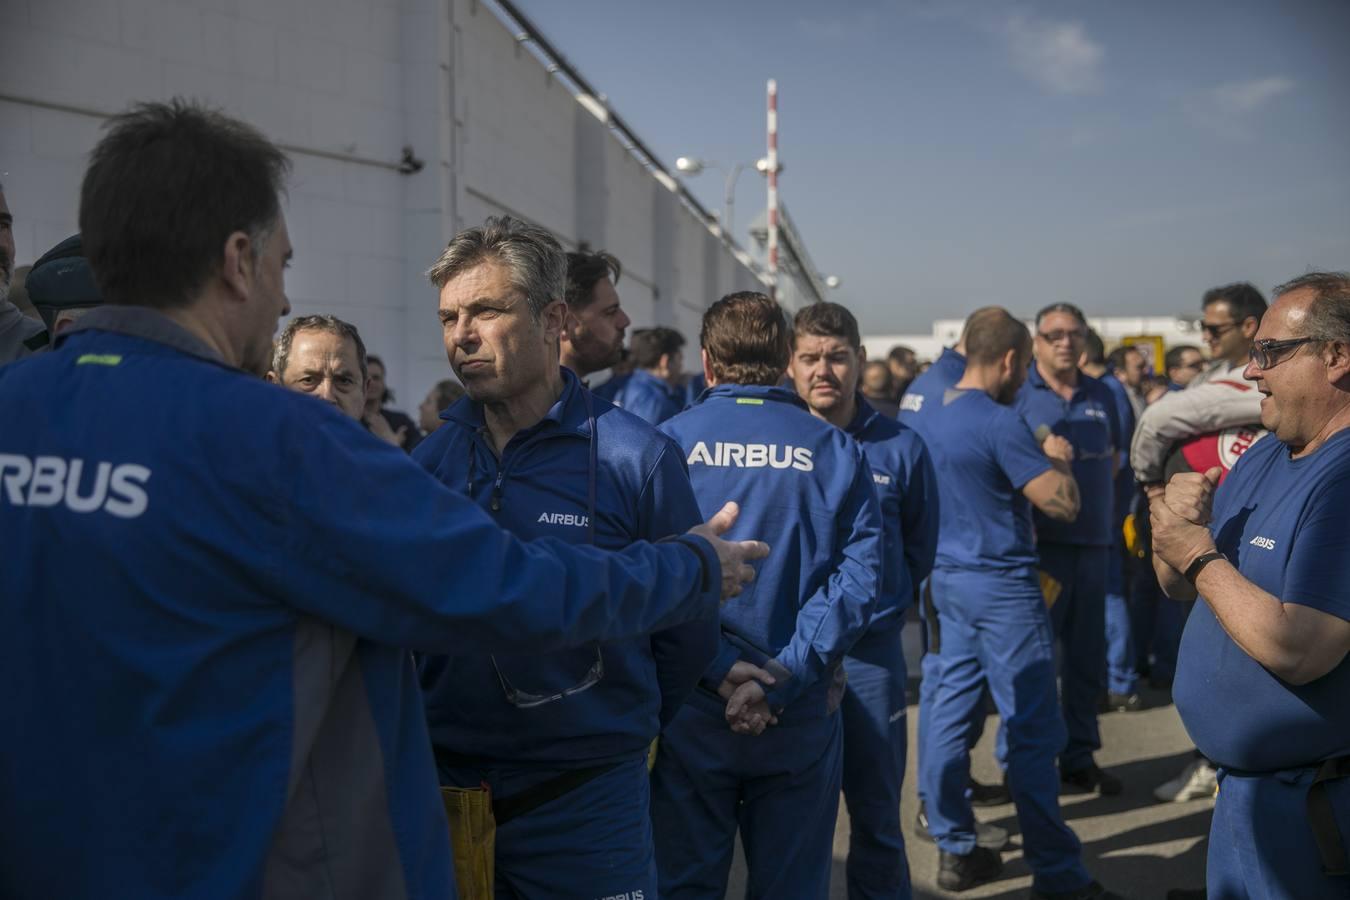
column 747, row 709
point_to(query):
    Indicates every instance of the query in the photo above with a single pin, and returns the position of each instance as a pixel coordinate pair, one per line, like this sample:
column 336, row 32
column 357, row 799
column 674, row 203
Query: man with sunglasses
column 1058, row 398
column 1263, row 673
column 560, row 738
column 1216, row 398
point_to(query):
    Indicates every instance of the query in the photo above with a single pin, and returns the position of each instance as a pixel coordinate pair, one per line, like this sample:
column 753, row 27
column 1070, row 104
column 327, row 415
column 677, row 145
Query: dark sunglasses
column 1054, row 337
column 1217, row 330
column 1269, row 353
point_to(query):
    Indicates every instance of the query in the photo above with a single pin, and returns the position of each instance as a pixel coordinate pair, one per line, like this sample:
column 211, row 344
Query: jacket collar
column 863, row 414
column 755, row 392
column 145, row 323
column 569, row 413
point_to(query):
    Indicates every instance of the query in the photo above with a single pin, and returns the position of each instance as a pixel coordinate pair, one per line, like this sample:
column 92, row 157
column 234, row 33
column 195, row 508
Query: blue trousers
column 594, row 841
column 1260, row 843
column 995, row 626
column 781, row 789
column 930, row 668
column 875, row 741
column 1079, row 618
column 1121, row 675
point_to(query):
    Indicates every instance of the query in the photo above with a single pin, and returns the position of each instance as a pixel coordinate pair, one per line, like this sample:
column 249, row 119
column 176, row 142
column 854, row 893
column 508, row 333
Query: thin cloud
column 1059, row 56
column 1246, row 96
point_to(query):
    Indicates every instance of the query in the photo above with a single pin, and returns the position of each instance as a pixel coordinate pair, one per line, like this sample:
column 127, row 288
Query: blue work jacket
column 587, row 472
column 1089, row 421
column 211, row 587
column 648, row 397
column 803, row 486
column 906, row 486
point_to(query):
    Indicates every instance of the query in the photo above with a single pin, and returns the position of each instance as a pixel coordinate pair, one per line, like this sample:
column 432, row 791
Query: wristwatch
column 1204, row 559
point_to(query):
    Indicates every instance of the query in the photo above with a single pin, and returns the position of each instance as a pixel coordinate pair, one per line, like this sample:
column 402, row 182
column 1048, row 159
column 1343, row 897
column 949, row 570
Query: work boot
column 982, row 794
column 1090, row 780
column 961, row 873
column 1091, row 891
column 989, row 836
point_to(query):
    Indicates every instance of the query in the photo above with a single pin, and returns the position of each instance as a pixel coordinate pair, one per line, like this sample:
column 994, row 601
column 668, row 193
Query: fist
column 1057, row 447
column 1190, row 495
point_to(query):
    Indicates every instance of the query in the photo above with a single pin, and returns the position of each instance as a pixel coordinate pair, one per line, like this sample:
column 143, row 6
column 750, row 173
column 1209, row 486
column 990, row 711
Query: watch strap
column 1204, row 559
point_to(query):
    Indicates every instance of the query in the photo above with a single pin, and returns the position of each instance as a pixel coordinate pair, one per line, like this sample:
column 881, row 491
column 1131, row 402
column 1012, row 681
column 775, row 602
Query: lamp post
column 691, row 166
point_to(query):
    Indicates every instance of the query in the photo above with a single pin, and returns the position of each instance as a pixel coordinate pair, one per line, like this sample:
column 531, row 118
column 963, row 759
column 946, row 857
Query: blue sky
column 945, row 154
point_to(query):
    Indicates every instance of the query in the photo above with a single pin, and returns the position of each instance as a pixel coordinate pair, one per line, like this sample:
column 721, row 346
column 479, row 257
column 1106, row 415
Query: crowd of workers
column 582, row 639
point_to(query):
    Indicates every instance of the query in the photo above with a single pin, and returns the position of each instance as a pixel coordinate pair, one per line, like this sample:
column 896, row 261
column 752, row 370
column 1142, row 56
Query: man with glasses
column 1059, row 399
column 1263, row 673
column 560, row 738
column 1211, row 422
column 1183, row 364
column 1214, row 399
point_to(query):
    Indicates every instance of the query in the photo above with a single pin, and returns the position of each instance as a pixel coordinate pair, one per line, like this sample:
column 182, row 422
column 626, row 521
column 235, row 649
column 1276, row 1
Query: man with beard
column 592, row 333
column 827, row 357
column 991, row 617
column 19, row 335
column 232, row 644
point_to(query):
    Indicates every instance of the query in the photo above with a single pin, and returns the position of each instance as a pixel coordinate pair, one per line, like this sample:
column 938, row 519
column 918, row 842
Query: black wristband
column 1204, row 559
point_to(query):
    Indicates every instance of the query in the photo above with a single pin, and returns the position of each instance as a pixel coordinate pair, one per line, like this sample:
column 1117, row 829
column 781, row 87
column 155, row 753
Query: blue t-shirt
column 984, row 454
column 1088, row 420
column 1281, row 521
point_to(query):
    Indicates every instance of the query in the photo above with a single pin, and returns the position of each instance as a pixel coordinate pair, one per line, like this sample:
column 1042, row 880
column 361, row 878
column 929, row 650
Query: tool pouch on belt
column 1050, row 588
column 473, row 839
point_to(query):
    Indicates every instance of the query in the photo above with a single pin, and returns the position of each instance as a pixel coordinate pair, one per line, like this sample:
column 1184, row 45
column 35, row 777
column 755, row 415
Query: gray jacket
column 19, row 335
column 1218, row 398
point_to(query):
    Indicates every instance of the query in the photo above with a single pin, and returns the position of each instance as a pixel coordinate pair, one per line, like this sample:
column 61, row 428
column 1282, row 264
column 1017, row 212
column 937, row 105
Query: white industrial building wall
column 344, row 85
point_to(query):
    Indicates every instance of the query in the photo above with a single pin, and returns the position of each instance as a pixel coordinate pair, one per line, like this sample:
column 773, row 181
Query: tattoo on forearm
column 1063, row 506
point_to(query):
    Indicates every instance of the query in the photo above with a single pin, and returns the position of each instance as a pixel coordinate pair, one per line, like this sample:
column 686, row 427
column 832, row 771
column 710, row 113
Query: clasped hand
column 1179, row 515
column 747, row 709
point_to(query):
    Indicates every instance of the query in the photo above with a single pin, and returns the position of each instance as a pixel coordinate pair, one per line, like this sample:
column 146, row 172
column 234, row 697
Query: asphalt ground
column 1132, row 844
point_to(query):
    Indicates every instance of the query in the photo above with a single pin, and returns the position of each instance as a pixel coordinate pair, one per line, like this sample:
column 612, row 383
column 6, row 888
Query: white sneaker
column 1196, row 781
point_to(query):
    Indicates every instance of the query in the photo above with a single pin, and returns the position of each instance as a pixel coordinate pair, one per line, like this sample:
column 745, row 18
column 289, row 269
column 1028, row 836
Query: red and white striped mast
column 772, row 175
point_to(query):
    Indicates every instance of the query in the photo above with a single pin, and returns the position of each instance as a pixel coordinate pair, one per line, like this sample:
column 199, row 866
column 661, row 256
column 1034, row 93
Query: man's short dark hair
column 1095, row 349
column 746, row 337
column 826, row 319
column 993, row 335
column 1116, row 361
column 1067, row 308
column 1243, row 299
column 1329, row 314
column 281, row 350
column 584, row 271
column 165, row 188
column 1172, row 358
column 899, row 353
column 646, row 347
column 447, row 391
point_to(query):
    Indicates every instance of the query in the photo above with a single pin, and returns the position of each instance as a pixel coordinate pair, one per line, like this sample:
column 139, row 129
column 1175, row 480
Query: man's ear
column 237, row 264
column 1337, row 356
column 707, row 368
column 1250, row 326
column 554, row 318
column 271, row 376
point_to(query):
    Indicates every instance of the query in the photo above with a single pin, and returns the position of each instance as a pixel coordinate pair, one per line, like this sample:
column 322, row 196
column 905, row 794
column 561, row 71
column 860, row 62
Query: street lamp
column 691, row 166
